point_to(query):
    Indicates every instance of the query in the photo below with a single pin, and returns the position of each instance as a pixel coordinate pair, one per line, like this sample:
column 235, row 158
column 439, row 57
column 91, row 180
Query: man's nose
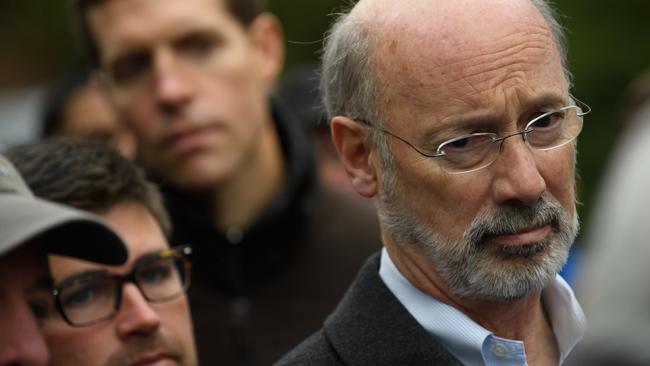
column 21, row 342
column 173, row 84
column 517, row 175
column 135, row 317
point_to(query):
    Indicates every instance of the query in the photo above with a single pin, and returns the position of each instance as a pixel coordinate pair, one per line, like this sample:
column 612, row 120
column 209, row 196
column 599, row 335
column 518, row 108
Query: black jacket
column 255, row 297
column 370, row 327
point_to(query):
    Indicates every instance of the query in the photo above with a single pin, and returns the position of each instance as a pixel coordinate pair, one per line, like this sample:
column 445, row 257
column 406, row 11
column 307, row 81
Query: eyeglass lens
column 94, row 298
column 89, row 299
column 160, row 279
column 547, row 131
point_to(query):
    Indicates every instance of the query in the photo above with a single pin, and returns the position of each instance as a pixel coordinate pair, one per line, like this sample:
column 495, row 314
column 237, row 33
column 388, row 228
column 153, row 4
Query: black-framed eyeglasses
column 475, row 151
column 93, row 296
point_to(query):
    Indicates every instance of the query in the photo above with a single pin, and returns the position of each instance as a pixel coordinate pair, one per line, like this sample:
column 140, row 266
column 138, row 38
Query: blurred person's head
column 78, row 106
column 463, row 127
column 30, row 228
column 613, row 279
column 192, row 79
column 634, row 103
column 132, row 314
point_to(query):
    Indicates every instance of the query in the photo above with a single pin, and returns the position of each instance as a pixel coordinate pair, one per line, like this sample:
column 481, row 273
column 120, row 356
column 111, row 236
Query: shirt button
column 499, row 350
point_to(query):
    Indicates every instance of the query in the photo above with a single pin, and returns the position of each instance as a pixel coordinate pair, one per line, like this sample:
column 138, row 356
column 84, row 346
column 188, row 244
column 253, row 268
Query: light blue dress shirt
column 471, row 343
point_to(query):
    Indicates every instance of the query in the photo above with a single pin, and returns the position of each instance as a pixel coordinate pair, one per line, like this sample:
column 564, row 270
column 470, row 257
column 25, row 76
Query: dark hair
column 87, row 175
column 298, row 90
column 57, row 96
column 244, row 11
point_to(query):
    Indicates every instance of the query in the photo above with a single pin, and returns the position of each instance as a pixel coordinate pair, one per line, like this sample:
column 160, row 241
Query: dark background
column 608, row 46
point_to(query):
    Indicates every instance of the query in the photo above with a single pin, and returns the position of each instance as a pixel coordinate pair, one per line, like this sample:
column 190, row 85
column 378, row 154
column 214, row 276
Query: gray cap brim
column 63, row 230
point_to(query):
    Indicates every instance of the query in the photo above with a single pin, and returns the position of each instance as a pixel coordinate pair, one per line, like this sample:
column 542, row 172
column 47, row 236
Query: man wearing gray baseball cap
column 29, row 228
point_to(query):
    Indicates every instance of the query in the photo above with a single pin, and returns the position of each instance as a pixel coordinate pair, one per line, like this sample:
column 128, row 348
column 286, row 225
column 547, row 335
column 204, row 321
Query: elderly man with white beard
column 457, row 117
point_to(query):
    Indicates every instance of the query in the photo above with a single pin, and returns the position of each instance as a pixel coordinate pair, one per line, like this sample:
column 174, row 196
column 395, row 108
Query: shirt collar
column 463, row 337
column 566, row 315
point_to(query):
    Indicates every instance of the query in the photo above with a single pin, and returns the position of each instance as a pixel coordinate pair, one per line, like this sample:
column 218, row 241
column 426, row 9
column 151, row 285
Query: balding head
column 382, row 42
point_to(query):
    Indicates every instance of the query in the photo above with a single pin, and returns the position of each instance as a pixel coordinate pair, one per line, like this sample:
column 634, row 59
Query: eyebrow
column 203, row 34
column 95, row 272
column 154, row 254
column 80, row 275
column 137, row 47
column 547, row 100
column 488, row 119
column 462, row 124
column 124, row 55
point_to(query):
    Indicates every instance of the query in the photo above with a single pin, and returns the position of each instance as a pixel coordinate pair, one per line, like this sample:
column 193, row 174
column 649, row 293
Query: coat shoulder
column 315, row 350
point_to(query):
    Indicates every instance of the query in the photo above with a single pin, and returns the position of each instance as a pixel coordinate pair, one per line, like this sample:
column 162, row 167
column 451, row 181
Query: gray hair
column 348, row 86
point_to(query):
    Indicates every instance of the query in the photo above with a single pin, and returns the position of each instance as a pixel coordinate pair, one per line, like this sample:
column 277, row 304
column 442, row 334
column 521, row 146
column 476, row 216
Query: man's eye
column 156, row 273
column 80, row 297
column 130, row 67
column 548, row 120
column 466, row 143
column 460, row 143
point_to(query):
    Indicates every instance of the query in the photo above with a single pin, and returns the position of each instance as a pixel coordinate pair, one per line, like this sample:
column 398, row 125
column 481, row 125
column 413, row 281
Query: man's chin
column 506, row 273
column 195, row 181
column 195, row 174
column 511, row 287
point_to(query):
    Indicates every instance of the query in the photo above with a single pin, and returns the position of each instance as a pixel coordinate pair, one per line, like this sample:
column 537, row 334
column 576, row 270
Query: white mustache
column 512, row 219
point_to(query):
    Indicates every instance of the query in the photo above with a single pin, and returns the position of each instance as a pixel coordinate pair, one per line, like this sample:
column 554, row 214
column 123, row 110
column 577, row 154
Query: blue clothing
column 571, row 269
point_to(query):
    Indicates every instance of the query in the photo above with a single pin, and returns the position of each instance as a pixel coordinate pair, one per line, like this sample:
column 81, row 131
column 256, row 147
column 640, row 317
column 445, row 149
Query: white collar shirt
column 467, row 340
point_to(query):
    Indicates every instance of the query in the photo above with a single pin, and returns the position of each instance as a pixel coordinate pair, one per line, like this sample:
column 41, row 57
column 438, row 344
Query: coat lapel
column 371, row 327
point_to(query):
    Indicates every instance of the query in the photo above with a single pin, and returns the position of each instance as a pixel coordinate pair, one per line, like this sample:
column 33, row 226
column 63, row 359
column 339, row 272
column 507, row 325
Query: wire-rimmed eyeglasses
column 471, row 152
column 87, row 298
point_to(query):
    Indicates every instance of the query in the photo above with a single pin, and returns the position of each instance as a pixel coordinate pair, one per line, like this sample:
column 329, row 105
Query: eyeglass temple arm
column 417, row 149
column 583, row 107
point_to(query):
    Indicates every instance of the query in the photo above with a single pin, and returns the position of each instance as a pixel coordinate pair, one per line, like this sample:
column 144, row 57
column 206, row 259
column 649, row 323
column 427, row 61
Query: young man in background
column 192, row 79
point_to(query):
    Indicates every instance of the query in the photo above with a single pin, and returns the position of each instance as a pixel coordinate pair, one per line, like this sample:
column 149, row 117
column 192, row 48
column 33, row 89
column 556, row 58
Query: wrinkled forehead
column 463, row 48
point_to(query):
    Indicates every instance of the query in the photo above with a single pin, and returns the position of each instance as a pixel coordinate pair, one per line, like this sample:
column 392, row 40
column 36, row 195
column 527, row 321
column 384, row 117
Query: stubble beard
column 138, row 345
column 476, row 268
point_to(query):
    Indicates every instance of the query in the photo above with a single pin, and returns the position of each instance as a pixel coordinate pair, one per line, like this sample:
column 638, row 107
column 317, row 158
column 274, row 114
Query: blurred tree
column 36, row 42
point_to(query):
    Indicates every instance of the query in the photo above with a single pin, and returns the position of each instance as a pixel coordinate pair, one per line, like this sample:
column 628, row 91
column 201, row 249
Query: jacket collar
column 269, row 244
column 371, row 327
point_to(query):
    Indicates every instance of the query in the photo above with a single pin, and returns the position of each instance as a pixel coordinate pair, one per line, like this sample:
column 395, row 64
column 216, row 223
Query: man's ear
column 268, row 40
column 350, row 140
